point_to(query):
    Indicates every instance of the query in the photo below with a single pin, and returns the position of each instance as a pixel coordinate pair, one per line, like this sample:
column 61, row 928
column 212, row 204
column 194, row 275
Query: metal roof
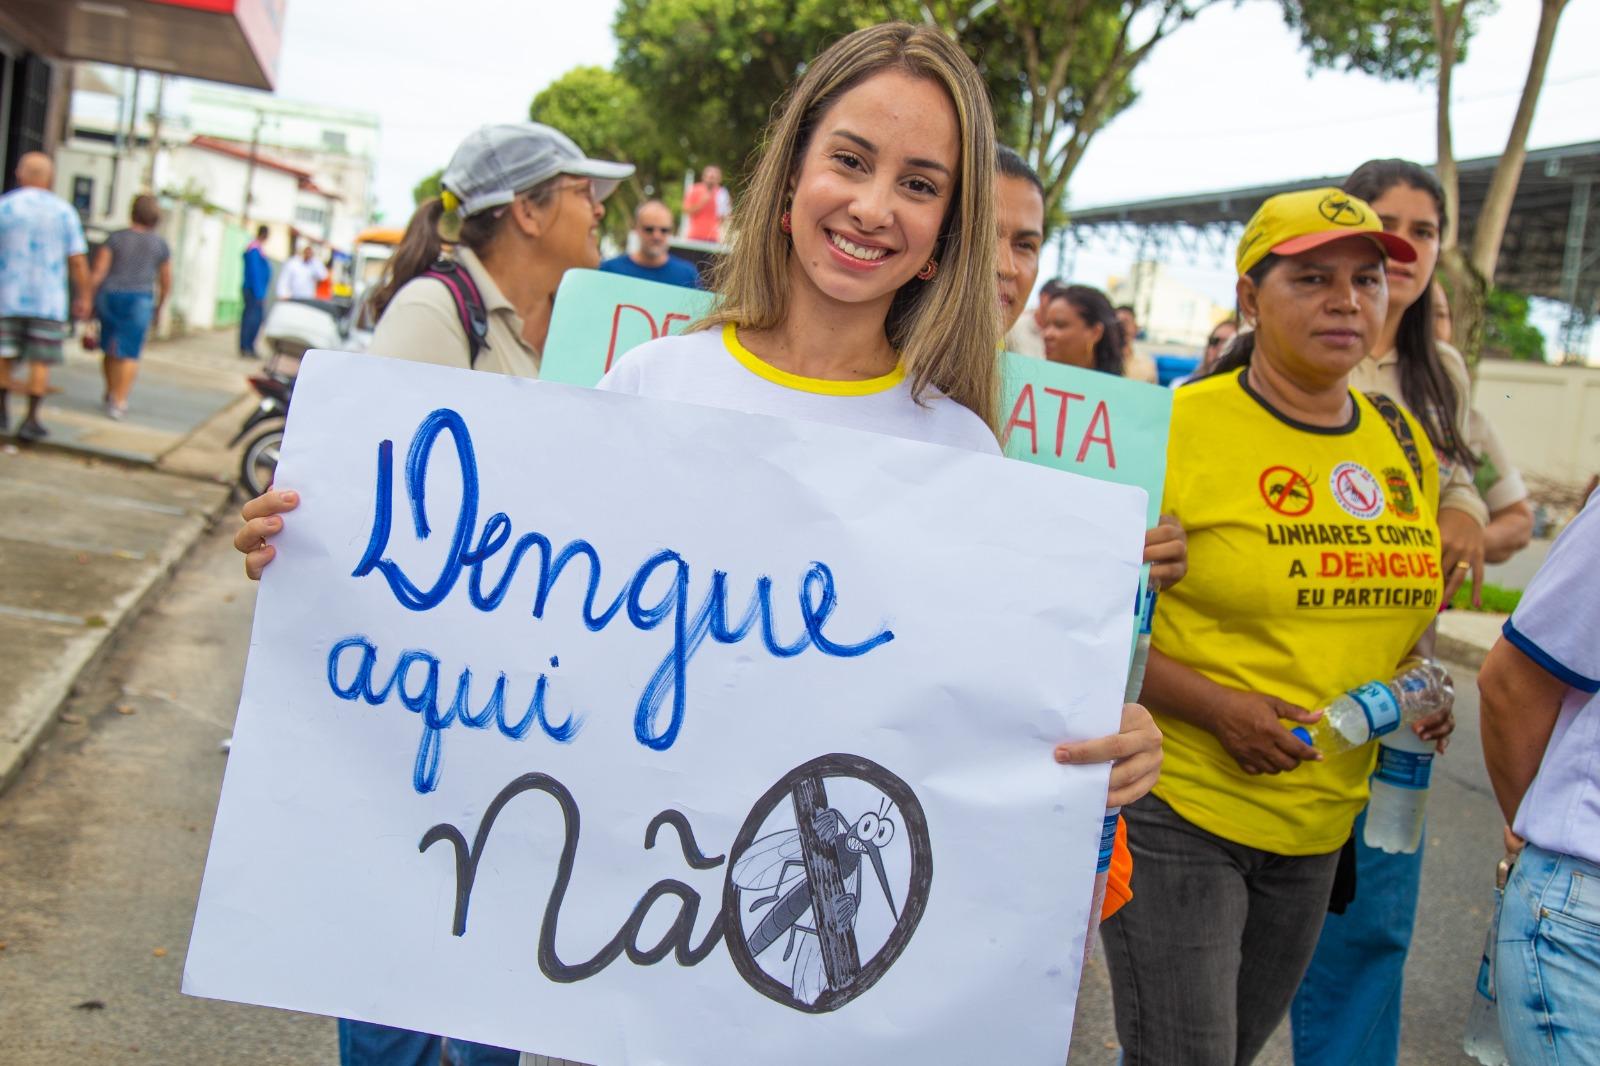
column 1551, row 247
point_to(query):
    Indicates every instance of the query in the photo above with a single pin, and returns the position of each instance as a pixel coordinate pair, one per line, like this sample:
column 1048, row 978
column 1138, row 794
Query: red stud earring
column 784, row 223
column 929, row 270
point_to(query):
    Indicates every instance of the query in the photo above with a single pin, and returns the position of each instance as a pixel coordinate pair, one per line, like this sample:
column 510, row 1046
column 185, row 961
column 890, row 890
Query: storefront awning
column 233, row 41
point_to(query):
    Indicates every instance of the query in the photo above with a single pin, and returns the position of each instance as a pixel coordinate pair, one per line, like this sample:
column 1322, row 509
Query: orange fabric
column 1119, row 879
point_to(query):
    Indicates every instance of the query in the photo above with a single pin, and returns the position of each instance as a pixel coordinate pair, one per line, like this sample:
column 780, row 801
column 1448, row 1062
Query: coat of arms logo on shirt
column 1402, row 501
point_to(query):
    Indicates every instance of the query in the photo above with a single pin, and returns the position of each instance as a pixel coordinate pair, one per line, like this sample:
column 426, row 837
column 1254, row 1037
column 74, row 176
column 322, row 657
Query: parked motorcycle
column 292, row 328
column 264, row 428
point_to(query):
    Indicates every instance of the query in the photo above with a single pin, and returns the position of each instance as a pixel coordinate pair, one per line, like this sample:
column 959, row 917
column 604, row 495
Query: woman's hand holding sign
column 1134, row 754
column 261, row 524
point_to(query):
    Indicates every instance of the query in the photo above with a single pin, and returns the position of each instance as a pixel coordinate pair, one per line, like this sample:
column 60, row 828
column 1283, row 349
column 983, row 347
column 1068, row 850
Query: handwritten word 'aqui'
column 644, row 603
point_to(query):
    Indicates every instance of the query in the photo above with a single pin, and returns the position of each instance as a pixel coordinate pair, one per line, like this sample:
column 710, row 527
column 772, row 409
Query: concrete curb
column 1465, row 637
column 52, row 692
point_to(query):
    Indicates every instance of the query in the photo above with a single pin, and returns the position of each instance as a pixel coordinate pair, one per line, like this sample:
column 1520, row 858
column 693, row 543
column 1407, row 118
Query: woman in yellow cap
column 1348, row 1006
column 1314, row 568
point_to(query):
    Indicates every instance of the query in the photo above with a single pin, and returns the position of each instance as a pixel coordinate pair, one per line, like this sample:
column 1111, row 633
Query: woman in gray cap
column 522, row 205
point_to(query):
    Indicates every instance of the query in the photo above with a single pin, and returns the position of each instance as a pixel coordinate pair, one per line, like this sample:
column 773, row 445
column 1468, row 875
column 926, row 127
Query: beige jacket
column 1382, row 375
column 421, row 324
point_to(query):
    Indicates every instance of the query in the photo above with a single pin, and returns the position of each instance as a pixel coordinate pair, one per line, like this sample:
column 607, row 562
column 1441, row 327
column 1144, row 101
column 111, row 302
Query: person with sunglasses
column 1222, row 335
column 650, row 260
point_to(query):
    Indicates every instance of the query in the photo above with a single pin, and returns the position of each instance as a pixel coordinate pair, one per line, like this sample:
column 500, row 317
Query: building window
column 309, row 215
column 334, row 141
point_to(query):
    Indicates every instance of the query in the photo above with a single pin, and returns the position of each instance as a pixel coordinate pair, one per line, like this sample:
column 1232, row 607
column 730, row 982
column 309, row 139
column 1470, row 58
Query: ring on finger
column 1463, row 565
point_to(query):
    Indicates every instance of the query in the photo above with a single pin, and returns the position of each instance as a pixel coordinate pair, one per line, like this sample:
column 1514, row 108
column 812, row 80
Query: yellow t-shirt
column 1313, row 568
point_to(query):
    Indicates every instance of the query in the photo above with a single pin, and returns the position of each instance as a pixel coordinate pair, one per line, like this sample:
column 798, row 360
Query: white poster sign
column 639, row 732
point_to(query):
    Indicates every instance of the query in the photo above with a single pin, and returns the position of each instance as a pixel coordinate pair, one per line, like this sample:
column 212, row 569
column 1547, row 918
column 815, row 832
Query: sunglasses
column 648, row 230
column 1214, row 341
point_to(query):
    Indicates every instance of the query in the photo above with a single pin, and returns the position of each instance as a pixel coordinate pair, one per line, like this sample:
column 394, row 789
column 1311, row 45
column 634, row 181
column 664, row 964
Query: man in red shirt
column 706, row 204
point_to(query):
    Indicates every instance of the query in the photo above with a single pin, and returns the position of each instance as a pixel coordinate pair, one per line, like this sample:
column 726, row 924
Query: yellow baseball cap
column 1294, row 222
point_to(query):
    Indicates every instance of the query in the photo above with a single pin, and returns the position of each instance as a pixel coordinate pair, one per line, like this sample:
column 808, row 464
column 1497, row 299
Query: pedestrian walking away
column 131, row 280
column 253, row 288
column 41, row 249
column 1541, row 743
column 804, row 328
column 1348, row 1007
column 1235, row 851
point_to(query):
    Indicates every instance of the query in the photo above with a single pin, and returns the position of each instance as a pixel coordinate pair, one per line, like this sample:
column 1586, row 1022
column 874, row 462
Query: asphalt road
column 1463, row 846
column 103, row 840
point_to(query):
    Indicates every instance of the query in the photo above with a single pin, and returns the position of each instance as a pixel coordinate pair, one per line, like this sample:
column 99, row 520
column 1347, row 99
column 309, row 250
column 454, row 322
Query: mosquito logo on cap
column 1341, row 210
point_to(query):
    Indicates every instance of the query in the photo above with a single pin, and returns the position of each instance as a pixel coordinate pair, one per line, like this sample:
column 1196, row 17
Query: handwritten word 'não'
column 472, row 550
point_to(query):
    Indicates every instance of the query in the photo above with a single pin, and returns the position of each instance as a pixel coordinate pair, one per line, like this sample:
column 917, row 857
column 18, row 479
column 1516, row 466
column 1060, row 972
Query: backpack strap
column 1395, row 419
column 469, row 304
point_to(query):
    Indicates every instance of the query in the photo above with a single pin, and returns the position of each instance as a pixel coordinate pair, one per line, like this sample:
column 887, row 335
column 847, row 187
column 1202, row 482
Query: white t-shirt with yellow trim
column 713, row 368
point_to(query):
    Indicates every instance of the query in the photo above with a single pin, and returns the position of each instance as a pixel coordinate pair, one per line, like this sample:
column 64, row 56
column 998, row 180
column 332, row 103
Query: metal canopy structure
column 1551, row 247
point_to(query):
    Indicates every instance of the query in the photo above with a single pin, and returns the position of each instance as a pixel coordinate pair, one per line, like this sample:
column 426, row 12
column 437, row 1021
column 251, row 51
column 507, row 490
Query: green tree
column 1414, row 38
column 606, row 116
column 711, row 70
column 1506, row 329
column 427, row 188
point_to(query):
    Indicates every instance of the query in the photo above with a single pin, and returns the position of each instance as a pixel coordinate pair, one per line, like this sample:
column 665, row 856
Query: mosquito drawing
column 774, row 865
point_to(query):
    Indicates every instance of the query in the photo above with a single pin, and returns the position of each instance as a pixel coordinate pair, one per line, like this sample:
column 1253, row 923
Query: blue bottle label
column 1379, row 705
column 1108, row 842
column 1404, row 769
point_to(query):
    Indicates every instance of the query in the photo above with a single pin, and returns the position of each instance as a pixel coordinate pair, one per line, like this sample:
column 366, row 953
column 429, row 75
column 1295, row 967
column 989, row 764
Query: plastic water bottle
column 1399, row 793
column 1379, row 707
column 1482, row 1040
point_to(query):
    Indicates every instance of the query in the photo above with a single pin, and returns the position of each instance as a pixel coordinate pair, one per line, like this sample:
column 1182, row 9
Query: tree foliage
column 1506, row 329
column 711, row 70
column 1391, row 39
column 606, row 116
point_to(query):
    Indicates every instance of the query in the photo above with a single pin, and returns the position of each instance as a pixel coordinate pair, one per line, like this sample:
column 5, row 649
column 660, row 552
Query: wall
column 1548, row 416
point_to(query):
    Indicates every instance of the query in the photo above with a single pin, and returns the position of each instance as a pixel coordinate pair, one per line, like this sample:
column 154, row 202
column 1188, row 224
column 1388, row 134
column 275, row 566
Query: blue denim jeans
column 367, row 1044
column 1548, row 968
column 1347, row 1009
column 249, row 323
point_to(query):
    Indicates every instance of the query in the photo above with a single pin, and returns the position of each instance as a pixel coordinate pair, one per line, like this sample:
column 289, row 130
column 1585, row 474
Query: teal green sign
column 1081, row 421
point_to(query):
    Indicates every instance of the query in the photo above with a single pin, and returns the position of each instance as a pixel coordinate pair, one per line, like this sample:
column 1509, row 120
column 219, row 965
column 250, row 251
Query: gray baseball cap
column 495, row 163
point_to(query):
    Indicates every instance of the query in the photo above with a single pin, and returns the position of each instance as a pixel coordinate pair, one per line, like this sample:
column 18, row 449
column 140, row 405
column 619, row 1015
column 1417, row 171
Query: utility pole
column 155, row 132
column 128, row 141
column 250, row 172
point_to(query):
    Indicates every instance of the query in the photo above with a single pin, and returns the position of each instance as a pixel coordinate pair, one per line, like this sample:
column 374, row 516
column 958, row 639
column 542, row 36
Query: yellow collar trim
column 822, row 386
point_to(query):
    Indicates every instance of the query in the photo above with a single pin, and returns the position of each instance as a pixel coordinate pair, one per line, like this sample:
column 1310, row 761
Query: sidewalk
column 1465, row 637
column 182, row 384
column 93, row 522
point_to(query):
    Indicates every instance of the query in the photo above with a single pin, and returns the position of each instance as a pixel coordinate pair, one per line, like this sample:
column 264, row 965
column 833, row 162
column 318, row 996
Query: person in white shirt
column 863, row 292
column 1540, row 718
column 300, row 275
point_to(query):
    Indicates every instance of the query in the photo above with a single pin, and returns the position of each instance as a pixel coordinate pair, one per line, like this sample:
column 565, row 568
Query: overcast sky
column 1228, row 100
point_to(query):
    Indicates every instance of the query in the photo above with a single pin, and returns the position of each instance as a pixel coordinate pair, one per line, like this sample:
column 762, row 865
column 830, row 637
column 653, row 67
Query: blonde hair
column 947, row 330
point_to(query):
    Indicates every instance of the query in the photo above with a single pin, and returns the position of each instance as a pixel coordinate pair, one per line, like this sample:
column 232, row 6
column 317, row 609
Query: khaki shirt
column 421, row 324
column 1457, row 492
column 1498, row 480
column 1025, row 338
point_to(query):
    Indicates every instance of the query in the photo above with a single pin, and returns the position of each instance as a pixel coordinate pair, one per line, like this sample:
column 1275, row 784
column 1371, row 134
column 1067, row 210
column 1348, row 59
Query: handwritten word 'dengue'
column 472, row 550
